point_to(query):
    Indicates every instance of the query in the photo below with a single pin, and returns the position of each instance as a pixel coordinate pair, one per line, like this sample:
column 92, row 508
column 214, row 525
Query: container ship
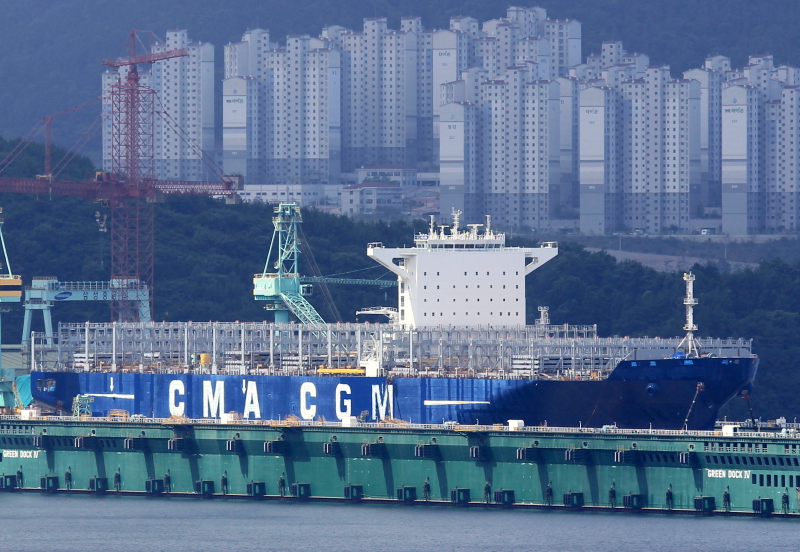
column 456, row 349
column 455, row 401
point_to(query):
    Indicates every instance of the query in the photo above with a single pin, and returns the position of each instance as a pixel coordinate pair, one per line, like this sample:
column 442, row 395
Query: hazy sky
column 50, row 50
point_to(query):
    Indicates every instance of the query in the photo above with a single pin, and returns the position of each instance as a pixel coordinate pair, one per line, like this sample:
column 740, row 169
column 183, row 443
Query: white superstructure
column 461, row 277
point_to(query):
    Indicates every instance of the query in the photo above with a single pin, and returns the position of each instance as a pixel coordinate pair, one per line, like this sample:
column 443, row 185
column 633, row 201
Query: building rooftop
column 393, row 167
column 371, row 184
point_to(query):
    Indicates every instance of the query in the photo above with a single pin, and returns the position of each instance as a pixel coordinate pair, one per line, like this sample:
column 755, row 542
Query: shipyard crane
column 130, row 187
column 280, row 284
column 46, row 291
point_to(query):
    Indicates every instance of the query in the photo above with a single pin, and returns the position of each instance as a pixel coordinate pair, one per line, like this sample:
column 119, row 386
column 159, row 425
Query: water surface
column 87, row 523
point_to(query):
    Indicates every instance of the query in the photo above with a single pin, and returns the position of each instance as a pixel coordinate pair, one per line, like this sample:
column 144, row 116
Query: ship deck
column 260, row 348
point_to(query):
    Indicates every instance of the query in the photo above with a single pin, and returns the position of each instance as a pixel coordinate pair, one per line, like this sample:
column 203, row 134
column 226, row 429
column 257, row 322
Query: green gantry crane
column 281, row 285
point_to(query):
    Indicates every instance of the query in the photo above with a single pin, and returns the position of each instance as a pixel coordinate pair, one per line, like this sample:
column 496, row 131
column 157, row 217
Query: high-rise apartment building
column 522, row 167
column 380, row 108
column 521, row 147
column 517, row 126
column 709, row 194
column 246, row 112
column 600, row 153
column 741, row 159
column 645, row 183
column 288, row 123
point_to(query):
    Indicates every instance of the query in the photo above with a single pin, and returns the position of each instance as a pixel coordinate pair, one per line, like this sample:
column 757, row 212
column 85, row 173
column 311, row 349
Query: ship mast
column 689, row 343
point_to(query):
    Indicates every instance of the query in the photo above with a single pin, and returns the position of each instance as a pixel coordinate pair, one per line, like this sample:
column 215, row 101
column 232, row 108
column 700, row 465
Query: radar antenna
column 689, row 343
column 473, row 230
column 544, row 317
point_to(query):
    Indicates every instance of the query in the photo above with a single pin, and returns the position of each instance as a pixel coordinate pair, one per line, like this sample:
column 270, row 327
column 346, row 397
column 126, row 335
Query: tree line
column 207, row 253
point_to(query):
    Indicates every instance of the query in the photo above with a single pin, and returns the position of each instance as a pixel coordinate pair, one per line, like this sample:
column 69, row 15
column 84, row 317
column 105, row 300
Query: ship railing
column 12, row 431
column 399, row 424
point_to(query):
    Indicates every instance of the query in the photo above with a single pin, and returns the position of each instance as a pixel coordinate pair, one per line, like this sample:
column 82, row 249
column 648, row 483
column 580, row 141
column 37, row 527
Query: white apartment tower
column 521, row 147
column 565, row 43
column 600, row 160
column 461, row 146
column 741, row 159
column 709, row 193
column 293, row 109
column 185, row 86
column 783, row 192
column 682, row 166
column 450, row 55
column 568, row 200
column 243, row 128
column 246, row 90
column 744, row 202
column 379, row 102
column 424, row 151
column 305, row 123
column 662, row 152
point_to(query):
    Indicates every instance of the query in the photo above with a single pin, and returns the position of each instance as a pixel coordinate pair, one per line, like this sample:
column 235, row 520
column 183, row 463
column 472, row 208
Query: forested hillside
column 50, row 51
column 207, row 253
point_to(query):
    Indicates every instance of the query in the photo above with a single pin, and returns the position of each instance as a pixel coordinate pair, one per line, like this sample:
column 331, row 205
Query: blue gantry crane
column 281, row 285
column 45, row 291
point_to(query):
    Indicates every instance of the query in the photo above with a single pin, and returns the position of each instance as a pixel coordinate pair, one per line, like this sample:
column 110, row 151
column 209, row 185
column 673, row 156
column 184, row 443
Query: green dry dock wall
column 588, row 463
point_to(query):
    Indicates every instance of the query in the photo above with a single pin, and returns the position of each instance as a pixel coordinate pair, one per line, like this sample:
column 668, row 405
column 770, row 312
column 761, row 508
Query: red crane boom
column 146, row 58
column 130, row 187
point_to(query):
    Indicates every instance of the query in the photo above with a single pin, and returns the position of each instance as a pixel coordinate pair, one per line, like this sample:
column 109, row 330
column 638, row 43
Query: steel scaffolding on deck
column 527, row 352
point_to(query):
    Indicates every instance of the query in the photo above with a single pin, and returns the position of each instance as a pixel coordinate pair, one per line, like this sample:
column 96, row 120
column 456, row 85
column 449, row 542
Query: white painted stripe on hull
column 112, row 395
column 448, row 403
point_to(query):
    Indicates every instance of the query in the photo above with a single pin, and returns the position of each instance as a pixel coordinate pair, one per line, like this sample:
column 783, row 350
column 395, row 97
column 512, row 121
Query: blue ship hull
column 662, row 394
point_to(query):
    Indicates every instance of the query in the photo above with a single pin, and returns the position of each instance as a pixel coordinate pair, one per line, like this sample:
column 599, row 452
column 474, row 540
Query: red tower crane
column 130, row 188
